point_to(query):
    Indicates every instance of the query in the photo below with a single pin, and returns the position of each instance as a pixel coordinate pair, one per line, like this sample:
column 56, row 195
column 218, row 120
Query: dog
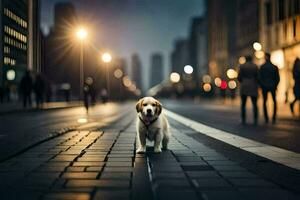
column 151, row 124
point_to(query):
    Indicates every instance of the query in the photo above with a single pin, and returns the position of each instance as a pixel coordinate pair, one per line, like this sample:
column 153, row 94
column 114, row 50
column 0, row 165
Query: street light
column 257, row 46
column 106, row 58
column 174, row 77
column 81, row 34
column 188, row 69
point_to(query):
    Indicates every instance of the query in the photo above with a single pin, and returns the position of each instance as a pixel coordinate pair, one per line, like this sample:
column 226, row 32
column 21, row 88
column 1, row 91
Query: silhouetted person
column 86, row 94
column 269, row 79
column 296, row 76
column 248, row 77
column 1, row 94
column 26, row 88
column 39, row 90
column 104, row 95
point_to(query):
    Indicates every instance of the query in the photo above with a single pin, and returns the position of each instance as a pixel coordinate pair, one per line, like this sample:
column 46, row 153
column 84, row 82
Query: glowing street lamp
column 107, row 58
column 231, row 73
column 81, row 34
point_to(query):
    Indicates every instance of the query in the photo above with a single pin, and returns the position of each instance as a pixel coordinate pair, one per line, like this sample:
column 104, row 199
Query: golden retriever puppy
column 151, row 124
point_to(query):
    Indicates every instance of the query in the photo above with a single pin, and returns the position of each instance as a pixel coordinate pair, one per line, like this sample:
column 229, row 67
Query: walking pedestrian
column 26, row 88
column 269, row 79
column 86, row 94
column 39, row 90
column 248, row 78
column 296, row 76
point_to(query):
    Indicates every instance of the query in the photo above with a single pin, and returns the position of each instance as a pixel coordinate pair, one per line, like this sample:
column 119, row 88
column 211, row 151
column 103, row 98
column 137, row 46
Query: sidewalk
column 102, row 164
column 18, row 107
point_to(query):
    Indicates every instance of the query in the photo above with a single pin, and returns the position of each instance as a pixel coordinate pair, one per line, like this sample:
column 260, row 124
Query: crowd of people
column 267, row 78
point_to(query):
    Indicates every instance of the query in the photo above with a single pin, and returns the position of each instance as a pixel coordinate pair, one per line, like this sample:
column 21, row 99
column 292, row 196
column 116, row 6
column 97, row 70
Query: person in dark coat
column 1, row 94
column 269, row 79
column 39, row 90
column 26, row 88
column 296, row 76
column 248, row 78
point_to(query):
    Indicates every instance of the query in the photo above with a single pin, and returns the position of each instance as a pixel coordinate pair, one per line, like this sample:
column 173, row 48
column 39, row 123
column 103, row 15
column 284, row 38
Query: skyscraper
column 136, row 70
column 180, row 55
column 157, row 69
column 19, row 39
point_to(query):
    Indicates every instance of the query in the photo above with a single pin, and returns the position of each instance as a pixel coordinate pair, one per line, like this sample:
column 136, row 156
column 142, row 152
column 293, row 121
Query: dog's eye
column 153, row 104
column 144, row 104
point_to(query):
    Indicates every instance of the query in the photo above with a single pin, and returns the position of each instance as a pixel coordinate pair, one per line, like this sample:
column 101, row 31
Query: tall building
column 62, row 50
column 136, row 71
column 247, row 26
column 19, row 26
column 199, row 47
column 280, row 35
column 222, row 36
column 180, row 55
column 157, row 69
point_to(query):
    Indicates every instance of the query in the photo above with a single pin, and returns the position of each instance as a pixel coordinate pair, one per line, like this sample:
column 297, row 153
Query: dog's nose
column 148, row 111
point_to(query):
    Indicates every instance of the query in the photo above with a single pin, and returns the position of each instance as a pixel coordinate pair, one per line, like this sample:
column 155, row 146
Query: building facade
column 280, row 35
column 157, row 69
column 180, row 55
column 222, row 36
column 136, row 71
column 13, row 40
column 199, row 47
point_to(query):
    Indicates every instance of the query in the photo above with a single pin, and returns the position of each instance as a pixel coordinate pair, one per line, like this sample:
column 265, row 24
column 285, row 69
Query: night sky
column 133, row 26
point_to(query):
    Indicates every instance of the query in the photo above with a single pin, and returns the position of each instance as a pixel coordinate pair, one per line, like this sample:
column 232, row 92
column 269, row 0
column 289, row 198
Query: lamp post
column 106, row 58
column 81, row 35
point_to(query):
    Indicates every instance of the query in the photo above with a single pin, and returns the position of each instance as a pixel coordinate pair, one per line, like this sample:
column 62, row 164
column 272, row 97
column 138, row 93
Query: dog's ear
column 158, row 107
column 138, row 105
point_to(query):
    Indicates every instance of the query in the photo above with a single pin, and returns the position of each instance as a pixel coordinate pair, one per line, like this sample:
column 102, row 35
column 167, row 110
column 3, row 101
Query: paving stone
column 115, row 175
column 183, row 194
column 245, row 182
column 119, row 160
column 180, row 183
column 220, row 162
column 197, row 168
column 268, row 193
column 112, row 195
column 67, row 196
column 229, row 168
column 64, row 158
column 202, row 174
column 94, row 169
column 99, row 183
column 210, row 183
column 51, row 169
column 118, row 169
column 80, row 175
column 238, row 174
column 88, row 164
column 75, row 169
column 172, row 175
column 189, row 159
column 222, row 195
column 119, row 164
column 91, row 158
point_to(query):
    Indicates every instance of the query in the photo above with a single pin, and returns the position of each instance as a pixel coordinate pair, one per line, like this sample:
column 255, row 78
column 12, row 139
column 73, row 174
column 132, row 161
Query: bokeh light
column 259, row 54
column 232, row 84
column 223, row 85
column 106, row 57
column 11, row 75
column 174, row 77
column 218, row 82
column 207, row 87
column 231, row 73
column 257, row 46
column 81, row 33
column 242, row 60
column 206, row 78
column 118, row 73
column 188, row 69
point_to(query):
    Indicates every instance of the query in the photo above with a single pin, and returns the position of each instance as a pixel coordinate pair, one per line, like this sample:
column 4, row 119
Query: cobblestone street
column 102, row 164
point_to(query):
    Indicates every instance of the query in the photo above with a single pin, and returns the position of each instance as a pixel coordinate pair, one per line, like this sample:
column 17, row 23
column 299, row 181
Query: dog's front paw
column 157, row 150
column 141, row 150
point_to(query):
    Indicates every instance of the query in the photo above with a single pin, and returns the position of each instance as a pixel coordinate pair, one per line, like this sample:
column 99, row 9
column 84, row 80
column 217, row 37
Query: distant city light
column 277, row 58
column 81, row 33
column 223, row 85
column 206, row 78
column 106, row 57
column 259, row 54
column 11, row 75
column 207, row 87
column 218, row 82
column 174, row 77
column 231, row 73
column 82, row 120
column 232, row 84
column 89, row 80
column 126, row 81
column 188, row 69
column 242, row 60
column 118, row 73
column 257, row 46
